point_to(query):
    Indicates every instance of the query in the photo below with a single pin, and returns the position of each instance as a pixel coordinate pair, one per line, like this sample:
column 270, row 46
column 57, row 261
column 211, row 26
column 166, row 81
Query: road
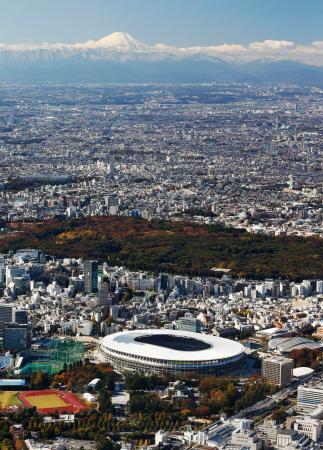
column 220, row 432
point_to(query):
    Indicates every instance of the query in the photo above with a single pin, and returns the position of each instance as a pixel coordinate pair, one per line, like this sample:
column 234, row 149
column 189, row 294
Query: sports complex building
column 53, row 359
column 171, row 351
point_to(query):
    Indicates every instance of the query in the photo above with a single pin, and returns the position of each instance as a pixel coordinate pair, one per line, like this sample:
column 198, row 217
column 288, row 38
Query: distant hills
column 121, row 58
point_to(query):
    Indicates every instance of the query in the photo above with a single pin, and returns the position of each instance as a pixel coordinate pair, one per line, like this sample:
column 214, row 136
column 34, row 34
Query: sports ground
column 49, row 401
column 9, row 400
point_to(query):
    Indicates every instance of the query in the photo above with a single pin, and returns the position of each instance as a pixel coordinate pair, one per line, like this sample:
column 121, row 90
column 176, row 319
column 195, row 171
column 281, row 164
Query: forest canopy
column 175, row 247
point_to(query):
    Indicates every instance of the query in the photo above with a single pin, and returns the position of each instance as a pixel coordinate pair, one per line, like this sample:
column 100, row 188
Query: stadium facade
column 171, row 351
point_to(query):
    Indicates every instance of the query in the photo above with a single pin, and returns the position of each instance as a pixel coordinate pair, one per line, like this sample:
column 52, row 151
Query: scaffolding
column 61, row 354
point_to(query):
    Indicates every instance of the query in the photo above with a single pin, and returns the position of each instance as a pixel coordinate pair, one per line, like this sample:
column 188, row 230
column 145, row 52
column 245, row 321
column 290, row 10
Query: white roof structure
column 288, row 344
column 271, row 331
column 302, row 372
column 214, row 348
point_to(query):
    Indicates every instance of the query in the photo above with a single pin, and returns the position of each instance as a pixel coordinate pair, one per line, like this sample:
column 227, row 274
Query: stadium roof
column 288, row 344
column 216, row 347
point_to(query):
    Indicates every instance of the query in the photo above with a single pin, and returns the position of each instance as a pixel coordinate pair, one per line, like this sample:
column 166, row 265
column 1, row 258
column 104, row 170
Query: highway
column 219, row 432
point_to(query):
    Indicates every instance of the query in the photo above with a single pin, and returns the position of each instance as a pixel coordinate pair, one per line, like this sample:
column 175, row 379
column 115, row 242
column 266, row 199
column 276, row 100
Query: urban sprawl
column 101, row 356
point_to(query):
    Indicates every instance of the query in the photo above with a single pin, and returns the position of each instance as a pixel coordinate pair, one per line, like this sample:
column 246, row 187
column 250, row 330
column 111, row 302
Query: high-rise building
column 7, row 313
column 114, row 311
column 189, row 324
column 14, row 272
column 112, row 204
column 91, row 274
column 104, row 291
column 277, row 370
column 21, row 316
column 16, row 337
column 309, row 397
column 163, row 282
column 2, row 271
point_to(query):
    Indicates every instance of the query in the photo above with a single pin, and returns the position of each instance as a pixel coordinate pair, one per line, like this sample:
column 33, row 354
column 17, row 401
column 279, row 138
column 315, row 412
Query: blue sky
column 177, row 22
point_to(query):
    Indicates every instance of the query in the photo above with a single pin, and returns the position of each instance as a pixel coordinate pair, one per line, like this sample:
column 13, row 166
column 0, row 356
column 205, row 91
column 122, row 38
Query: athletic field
column 51, row 400
column 9, row 399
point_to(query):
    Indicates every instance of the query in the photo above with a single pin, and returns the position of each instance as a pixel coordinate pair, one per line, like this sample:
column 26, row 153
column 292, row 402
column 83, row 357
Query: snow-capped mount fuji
column 119, row 57
column 120, row 41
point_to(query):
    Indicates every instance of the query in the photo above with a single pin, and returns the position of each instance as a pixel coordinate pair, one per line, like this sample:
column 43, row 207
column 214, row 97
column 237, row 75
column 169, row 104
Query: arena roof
column 191, row 346
column 288, row 344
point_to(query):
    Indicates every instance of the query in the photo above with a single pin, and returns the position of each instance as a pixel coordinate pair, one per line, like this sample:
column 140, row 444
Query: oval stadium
column 170, row 351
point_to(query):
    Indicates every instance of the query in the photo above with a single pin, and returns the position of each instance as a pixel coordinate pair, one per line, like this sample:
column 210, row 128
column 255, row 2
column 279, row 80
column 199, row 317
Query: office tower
column 104, row 291
column 112, row 204
column 261, row 290
column 76, row 284
column 114, row 311
column 309, row 397
column 277, row 370
column 16, row 337
column 189, row 324
column 163, row 282
column 2, row 271
column 91, row 273
column 111, row 200
column 277, row 123
column 21, row 317
column 14, row 272
column 71, row 212
column 7, row 313
column 319, row 287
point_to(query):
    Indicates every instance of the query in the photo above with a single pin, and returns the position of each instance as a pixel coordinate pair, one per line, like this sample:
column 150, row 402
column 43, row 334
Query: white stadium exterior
column 171, row 351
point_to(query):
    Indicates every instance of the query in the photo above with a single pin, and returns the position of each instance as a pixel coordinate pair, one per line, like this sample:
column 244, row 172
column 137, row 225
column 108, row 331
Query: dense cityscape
column 244, row 155
column 64, row 321
column 209, row 154
column 161, row 225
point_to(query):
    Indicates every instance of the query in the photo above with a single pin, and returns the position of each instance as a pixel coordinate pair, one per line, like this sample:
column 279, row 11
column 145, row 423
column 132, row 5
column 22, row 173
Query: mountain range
column 119, row 57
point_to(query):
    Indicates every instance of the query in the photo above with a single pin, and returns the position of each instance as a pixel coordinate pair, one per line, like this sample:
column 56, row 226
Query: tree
column 19, row 444
column 107, row 444
column 306, row 357
column 7, row 444
column 39, row 380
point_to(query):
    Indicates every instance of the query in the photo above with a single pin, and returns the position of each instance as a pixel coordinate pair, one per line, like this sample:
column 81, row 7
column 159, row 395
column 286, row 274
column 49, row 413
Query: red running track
column 74, row 405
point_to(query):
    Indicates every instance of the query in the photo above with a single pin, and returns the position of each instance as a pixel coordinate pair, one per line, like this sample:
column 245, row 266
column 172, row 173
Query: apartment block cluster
column 71, row 295
column 212, row 153
column 304, row 427
column 75, row 297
